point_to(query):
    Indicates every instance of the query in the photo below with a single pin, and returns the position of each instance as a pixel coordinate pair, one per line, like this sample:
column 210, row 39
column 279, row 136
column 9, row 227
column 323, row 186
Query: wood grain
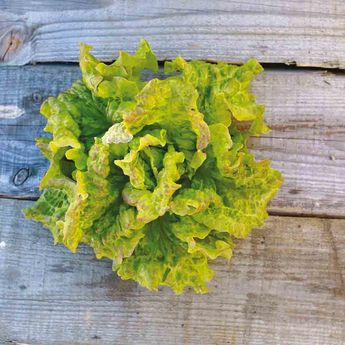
column 23, row 6
column 305, row 32
column 24, row 89
column 304, row 108
column 285, row 285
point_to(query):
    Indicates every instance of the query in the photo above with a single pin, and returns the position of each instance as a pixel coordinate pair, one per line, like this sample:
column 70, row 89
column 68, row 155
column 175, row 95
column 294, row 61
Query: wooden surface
column 305, row 32
column 286, row 283
column 284, row 286
column 306, row 110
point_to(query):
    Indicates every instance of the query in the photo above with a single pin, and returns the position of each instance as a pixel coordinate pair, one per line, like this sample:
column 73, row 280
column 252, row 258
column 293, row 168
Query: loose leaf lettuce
column 155, row 175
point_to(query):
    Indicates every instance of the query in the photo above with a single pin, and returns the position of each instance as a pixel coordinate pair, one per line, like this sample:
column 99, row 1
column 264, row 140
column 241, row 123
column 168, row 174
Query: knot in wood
column 21, row 176
column 13, row 40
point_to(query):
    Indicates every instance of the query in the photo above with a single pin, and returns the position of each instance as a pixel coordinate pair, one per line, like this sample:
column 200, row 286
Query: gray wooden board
column 284, row 285
column 23, row 6
column 306, row 32
column 304, row 108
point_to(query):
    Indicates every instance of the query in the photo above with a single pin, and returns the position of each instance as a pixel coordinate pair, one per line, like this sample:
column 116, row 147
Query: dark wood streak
column 338, row 269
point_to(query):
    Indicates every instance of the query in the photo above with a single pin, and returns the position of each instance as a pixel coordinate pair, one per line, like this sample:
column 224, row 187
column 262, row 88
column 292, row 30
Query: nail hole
column 37, row 98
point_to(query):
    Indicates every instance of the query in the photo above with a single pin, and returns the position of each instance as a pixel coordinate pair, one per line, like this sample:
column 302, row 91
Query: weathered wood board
column 306, row 32
column 286, row 282
column 284, row 285
column 306, row 110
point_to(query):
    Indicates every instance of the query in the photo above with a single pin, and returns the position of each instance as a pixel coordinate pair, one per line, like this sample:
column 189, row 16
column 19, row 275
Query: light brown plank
column 306, row 32
column 306, row 110
column 285, row 285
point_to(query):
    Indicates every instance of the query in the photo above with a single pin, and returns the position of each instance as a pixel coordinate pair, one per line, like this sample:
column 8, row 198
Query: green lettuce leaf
column 134, row 166
column 162, row 259
column 50, row 210
column 155, row 175
column 151, row 205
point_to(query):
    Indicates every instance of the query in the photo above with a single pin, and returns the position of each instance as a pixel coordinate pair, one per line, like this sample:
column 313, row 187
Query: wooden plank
column 285, row 285
column 23, row 6
column 22, row 91
column 304, row 108
column 305, row 32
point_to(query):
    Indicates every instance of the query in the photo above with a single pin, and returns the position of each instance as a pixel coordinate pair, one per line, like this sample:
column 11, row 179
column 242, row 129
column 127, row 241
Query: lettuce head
column 155, row 175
